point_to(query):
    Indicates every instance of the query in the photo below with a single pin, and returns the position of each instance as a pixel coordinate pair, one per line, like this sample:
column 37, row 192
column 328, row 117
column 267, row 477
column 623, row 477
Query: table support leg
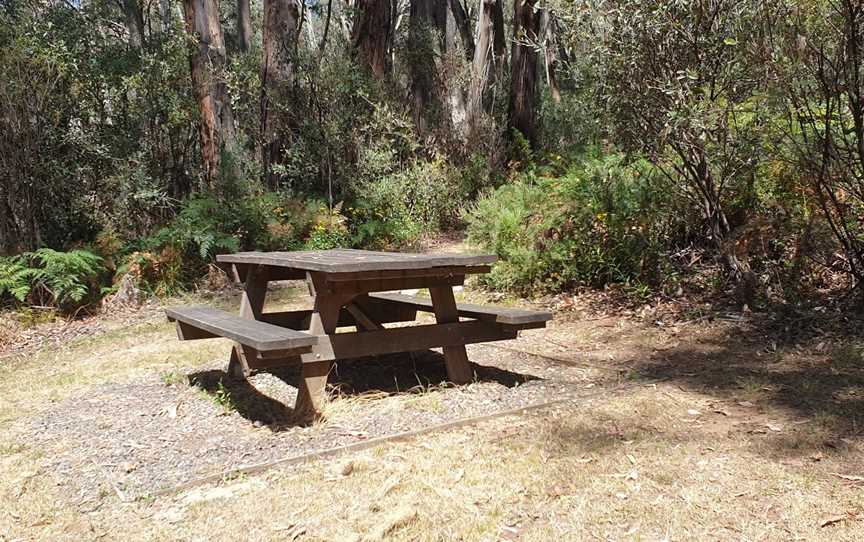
column 313, row 376
column 251, row 305
column 455, row 357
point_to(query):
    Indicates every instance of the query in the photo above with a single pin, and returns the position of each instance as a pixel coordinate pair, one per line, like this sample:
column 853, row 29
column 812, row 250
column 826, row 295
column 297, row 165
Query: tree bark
column 480, row 65
column 499, row 39
column 244, row 26
column 463, row 25
column 455, row 94
column 550, row 53
column 134, row 22
column 372, row 35
column 436, row 91
column 281, row 25
column 165, row 14
column 523, row 79
column 423, row 22
column 207, row 60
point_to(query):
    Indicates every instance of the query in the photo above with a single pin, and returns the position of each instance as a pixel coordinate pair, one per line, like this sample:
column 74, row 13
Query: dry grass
column 724, row 457
column 624, row 467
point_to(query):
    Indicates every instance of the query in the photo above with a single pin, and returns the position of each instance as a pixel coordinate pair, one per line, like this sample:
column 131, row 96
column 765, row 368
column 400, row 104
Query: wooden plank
column 384, row 285
column 186, row 332
column 313, row 375
column 376, row 310
column 408, row 273
column 258, row 335
column 502, row 315
column 349, row 260
column 346, row 346
column 251, row 305
column 455, row 357
column 291, row 319
column 410, row 339
column 254, row 292
column 383, row 312
column 363, row 319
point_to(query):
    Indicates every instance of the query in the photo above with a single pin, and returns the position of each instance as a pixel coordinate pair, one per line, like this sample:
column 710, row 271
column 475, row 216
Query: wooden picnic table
column 345, row 285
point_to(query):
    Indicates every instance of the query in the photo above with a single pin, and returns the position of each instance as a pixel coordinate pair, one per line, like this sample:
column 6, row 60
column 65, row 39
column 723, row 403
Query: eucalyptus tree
column 522, row 114
column 207, row 61
column 280, row 39
column 372, row 35
column 682, row 86
column 820, row 53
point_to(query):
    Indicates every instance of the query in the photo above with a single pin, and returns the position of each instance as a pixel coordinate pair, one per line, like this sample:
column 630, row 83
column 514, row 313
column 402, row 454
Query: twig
column 110, row 480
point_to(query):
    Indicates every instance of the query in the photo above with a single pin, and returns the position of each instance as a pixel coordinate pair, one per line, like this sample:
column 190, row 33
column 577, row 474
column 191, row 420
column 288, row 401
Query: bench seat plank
column 253, row 333
column 499, row 315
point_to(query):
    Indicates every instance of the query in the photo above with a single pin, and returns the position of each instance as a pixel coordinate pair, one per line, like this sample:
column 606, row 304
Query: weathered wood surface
column 253, row 333
column 352, row 261
column 386, row 284
column 315, row 369
column 300, row 319
column 455, row 357
column 251, row 305
column 501, row 315
column 360, row 344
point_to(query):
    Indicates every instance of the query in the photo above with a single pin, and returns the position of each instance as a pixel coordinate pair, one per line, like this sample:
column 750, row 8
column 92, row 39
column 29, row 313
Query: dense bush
column 749, row 113
column 604, row 220
column 401, row 208
column 64, row 280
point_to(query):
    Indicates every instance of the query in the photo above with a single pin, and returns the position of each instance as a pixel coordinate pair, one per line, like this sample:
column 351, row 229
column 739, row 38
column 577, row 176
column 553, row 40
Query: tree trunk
column 134, row 23
column 455, row 95
column 480, row 65
column 435, row 87
column 463, row 25
column 281, row 24
column 523, row 78
column 422, row 24
column 244, row 26
column 550, row 56
column 207, row 60
column 499, row 39
column 372, row 34
column 165, row 14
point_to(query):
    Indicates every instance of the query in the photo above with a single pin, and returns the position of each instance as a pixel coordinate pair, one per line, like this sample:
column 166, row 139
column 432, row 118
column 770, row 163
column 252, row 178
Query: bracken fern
column 50, row 277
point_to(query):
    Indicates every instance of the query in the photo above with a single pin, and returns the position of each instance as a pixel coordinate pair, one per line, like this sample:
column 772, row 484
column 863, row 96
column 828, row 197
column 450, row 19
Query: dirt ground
column 657, row 425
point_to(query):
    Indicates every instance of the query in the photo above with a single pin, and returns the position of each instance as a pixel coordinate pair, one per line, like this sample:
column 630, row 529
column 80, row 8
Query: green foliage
column 14, row 278
column 603, row 221
column 748, row 111
column 46, row 277
column 682, row 90
column 329, row 230
column 199, row 231
column 222, row 397
column 401, row 208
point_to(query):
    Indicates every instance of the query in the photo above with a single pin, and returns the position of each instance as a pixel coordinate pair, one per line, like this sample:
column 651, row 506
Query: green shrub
column 329, row 230
column 200, row 230
column 14, row 278
column 46, row 277
column 399, row 209
column 599, row 223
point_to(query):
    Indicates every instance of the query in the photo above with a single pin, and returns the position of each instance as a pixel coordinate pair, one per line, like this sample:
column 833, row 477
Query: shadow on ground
column 809, row 374
column 393, row 374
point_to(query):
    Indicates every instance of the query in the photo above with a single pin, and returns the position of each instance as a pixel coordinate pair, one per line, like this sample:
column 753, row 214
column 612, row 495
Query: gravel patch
column 157, row 433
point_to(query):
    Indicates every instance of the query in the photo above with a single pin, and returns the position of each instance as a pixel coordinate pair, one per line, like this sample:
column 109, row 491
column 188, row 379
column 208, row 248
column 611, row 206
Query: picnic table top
column 345, row 260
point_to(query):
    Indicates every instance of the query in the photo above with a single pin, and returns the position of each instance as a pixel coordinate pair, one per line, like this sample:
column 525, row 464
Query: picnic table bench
column 350, row 288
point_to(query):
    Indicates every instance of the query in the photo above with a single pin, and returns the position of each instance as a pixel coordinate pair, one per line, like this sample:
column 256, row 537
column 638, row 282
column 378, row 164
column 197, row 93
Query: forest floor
column 670, row 421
